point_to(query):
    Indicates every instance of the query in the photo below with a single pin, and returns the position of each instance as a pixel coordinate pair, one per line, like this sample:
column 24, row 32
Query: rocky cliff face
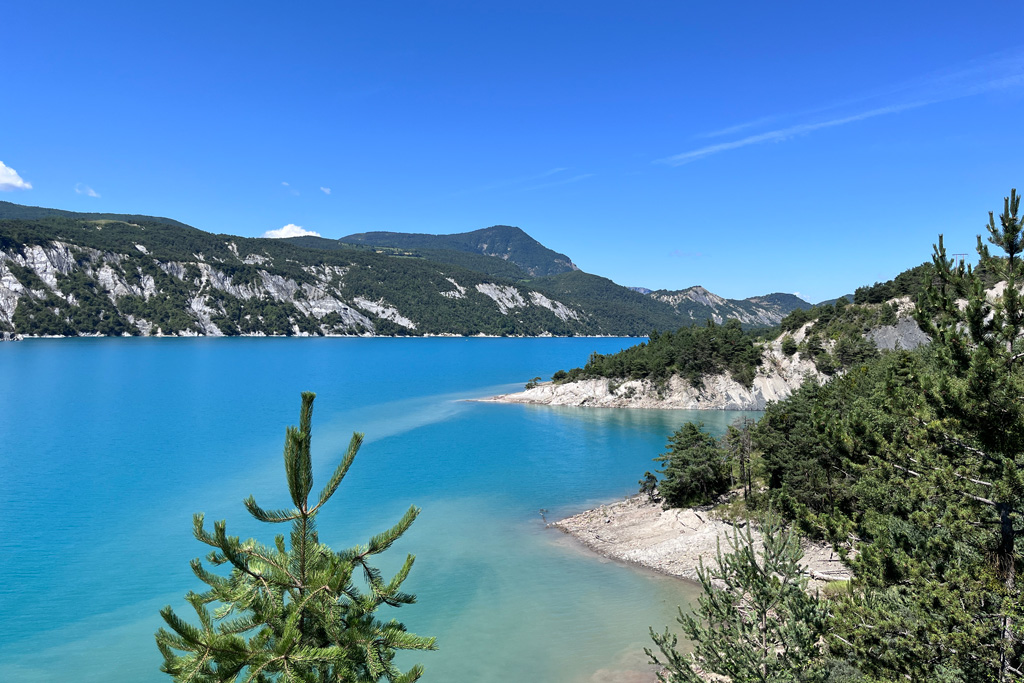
column 64, row 288
column 66, row 273
column 905, row 334
column 778, row 376
column 698, row 303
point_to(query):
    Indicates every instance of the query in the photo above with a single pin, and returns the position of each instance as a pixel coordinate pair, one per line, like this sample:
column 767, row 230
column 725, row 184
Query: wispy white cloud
column 565, row 181
column 513, row 182
column 10, row 180
column 325, row 190
column 290, row 230
column 996, row 72
column 732, row 130
column 784, row 133
column 546, row 174
column 285, row 183
column 82, row 188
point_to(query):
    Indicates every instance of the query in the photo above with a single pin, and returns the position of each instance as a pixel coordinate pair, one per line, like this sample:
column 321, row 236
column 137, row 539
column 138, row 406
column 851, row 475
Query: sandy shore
column 674, row 541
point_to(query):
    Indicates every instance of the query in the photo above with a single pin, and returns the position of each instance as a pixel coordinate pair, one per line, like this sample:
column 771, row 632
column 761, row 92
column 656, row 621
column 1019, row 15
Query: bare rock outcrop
column 778, row 377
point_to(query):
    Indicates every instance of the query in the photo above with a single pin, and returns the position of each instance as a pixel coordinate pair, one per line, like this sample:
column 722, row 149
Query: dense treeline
column 10, row 210
column 837, row 337
column 692, row 352
column 912, row 465
column 875, row 462
column 487, row 265
column 913, row 282
column 835, row 340
column 909, row 283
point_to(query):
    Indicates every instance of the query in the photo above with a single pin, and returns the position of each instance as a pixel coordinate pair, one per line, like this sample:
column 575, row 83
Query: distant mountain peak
column 698, row 303
column 506, row 242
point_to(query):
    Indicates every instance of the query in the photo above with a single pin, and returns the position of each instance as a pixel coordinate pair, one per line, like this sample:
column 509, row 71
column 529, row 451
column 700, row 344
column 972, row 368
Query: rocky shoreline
column 676, row 541
column 778, row 377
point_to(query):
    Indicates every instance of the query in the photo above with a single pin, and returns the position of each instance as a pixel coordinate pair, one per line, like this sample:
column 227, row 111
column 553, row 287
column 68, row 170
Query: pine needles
column 292, row 612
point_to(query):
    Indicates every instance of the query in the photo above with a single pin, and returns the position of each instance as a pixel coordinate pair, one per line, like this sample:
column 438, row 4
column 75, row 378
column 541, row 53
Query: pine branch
column 308, row 622
column 272, row 516
column 341, row 470
column 384, row 540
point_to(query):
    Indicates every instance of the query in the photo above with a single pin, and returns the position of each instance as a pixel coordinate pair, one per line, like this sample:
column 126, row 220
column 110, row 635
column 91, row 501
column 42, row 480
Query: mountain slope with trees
column 67, row 276
column 500, row 241
column 710, row 366
column 912, row 464
column 487, row 265
column 64, row 273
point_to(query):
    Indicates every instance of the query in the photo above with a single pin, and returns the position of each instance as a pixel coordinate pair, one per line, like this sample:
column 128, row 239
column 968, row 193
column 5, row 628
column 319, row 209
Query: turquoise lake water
column 108, row 446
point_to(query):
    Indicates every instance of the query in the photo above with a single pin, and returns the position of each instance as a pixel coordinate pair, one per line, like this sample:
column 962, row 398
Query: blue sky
column 747, row 147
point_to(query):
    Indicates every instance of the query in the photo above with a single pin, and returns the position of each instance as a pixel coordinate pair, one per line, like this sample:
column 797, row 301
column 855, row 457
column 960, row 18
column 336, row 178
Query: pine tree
column 696, row 468
column 979, row 430
column 935, row 595
column 292, row 612
column 755, row 621
column 739, row 444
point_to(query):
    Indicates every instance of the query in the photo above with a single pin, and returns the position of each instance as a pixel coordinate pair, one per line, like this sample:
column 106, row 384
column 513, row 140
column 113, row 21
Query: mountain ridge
column 760, row 311
column 67, row 273
column 499, row 241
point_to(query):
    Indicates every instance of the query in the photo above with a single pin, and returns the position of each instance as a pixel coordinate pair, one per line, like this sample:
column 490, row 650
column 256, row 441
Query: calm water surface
column 108, row 446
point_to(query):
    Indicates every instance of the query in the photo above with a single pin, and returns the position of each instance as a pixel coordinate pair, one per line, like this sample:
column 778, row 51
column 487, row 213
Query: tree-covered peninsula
column 724, row 366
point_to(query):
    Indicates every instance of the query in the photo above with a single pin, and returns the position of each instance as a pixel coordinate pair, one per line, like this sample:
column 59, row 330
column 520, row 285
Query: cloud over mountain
column 290, row 230
column 10, row 180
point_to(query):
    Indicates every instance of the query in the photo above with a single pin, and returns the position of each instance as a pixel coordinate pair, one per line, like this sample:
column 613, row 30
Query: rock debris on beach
column 675, row 541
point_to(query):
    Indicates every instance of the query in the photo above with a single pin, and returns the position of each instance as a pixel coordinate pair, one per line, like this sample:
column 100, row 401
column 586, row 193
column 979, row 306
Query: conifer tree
column 696, row 468
column 739, row 444
column 936, row 594
column 755, row 622
column 979, row 427
column 292, row 611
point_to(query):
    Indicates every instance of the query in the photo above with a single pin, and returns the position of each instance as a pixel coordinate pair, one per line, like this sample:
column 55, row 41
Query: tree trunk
column 1008, row 569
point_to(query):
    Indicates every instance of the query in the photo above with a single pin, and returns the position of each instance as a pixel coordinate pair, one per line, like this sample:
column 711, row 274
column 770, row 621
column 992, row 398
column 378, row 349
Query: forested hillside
column 66, row 273
column 487, row 265
column 67, row 276
column 609, row 300
column 910, row 463
column 724, row 366
column 691, row 352
column 834, row 337
column 500, row 241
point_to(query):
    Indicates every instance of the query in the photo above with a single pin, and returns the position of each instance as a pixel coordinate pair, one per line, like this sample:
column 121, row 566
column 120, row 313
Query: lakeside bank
column 778, row 376
column 675, row 541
